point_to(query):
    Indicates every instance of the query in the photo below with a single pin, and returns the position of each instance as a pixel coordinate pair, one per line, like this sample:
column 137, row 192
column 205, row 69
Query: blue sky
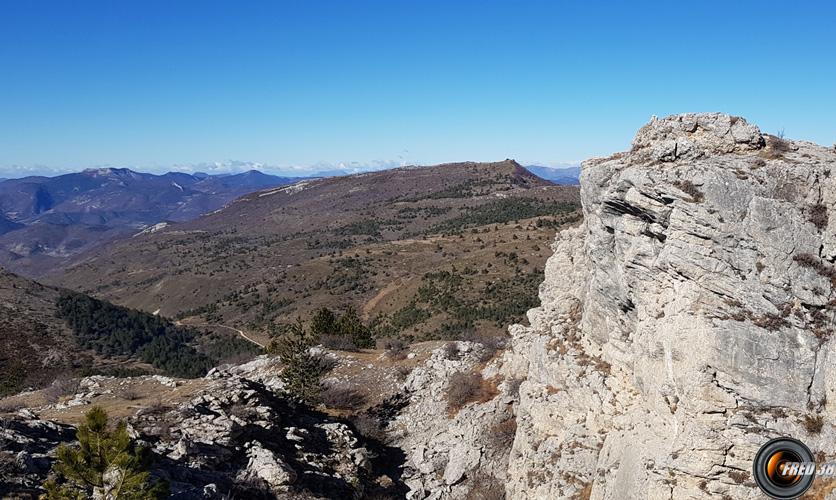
column 160, row 85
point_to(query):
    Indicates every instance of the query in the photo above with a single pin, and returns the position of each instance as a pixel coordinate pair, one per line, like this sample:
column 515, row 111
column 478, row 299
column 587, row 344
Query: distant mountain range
column 566, row 176
column 44, row 220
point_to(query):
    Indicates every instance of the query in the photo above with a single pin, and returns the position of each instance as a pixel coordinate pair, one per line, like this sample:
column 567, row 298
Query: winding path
column 239, row 332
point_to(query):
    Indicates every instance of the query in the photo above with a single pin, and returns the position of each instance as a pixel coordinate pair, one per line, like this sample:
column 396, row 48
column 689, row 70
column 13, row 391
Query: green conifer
column 105, row 464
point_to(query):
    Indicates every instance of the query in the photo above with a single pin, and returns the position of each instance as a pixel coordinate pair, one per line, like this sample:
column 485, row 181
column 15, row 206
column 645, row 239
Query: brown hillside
column 424, row 250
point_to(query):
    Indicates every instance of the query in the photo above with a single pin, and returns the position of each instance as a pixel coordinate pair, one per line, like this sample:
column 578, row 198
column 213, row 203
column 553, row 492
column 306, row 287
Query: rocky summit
column 687, row 319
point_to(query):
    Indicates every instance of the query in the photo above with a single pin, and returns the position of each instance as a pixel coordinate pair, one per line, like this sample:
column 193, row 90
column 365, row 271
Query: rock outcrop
column 685, row 322
column 237, row 437
column 453, row 453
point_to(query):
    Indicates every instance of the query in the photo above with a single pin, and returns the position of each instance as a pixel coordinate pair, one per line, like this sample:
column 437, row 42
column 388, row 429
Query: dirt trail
column 371, row 304
column 240, row 332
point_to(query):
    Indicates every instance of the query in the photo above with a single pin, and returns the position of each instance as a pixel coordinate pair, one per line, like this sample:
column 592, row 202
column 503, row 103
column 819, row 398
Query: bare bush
column 369, row 427
column 60, row 388
column 326, row 362
column 464, row 388
column 395, row 348
column 513, row 386
column 338, row 343
column 128, row 393
column 451, row 351
column 341, row 397
column 776, row 147
column 491, row 344
column 156, row 408
column 242, row 412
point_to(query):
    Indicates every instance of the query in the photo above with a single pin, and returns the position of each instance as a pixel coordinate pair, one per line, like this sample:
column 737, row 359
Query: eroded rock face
column 685, row 322
column 26, row 449
column 453, row 453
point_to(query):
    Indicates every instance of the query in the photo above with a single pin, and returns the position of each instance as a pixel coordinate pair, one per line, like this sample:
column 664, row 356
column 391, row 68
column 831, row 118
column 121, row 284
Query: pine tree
column 323, row 322
column 105, row 464
column 302, row 370
column 350, row 325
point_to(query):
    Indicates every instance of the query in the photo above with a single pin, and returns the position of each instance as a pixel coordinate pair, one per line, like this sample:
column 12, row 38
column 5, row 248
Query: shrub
column 86, row 470
column 464, row 388
column 341, row 397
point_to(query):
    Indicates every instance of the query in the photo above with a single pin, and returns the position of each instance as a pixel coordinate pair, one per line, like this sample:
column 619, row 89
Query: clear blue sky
column 156, row 84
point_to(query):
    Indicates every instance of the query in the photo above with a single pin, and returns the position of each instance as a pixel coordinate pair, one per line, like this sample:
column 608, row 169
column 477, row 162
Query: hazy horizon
column 237, row 167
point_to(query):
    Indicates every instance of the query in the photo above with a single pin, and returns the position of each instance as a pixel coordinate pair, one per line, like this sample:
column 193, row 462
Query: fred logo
column 784, row 468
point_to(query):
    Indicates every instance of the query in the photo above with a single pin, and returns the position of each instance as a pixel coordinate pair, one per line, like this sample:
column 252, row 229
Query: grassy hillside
column 422, row 252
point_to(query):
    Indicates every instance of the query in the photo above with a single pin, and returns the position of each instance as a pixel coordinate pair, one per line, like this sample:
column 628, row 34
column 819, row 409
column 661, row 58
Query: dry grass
column 464, row 388
column 342, row 397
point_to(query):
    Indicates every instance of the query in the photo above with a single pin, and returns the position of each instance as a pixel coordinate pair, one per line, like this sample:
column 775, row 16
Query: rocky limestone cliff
column 685, row 322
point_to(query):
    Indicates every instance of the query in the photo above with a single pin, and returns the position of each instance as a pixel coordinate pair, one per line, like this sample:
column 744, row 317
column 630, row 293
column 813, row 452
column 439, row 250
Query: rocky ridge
column 685, row 322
